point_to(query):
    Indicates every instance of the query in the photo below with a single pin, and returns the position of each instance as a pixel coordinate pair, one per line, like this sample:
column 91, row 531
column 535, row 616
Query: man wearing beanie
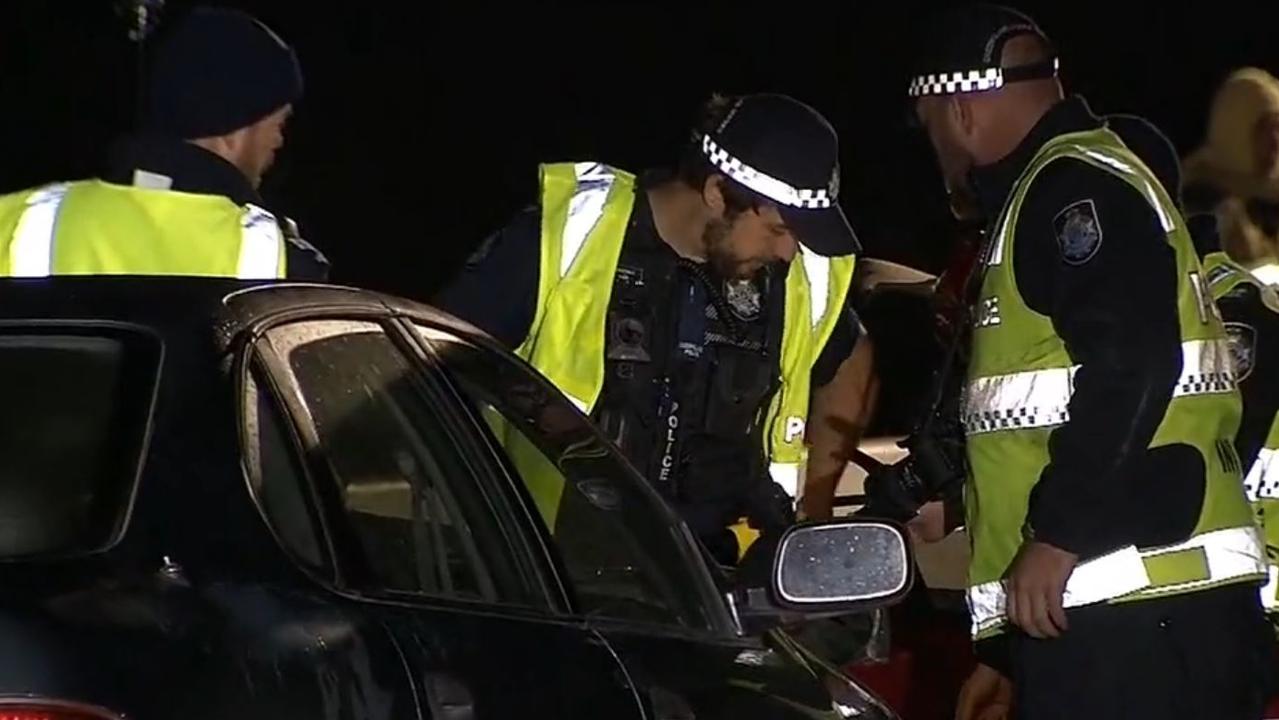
column 181, row 197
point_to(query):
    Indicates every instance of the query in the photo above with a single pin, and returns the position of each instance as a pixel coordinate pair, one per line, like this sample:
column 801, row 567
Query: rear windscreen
column 73, row 422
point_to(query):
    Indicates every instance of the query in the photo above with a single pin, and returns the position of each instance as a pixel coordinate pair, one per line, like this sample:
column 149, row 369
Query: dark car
column 221, row 500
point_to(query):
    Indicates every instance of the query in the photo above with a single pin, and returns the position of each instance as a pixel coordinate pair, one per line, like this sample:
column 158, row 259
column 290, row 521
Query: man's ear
column 228, row 146
column 238, row 140
column 961, row 112
column 713, row 194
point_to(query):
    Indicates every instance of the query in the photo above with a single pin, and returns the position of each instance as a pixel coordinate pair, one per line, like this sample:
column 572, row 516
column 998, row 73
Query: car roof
column 229, row 307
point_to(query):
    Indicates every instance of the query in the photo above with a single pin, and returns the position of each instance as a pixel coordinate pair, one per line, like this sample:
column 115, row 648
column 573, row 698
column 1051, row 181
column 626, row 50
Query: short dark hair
column 694, row 169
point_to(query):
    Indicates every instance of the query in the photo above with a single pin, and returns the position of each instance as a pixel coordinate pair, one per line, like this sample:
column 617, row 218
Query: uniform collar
column 189, row 168
column 994, row 182
column 642, row 225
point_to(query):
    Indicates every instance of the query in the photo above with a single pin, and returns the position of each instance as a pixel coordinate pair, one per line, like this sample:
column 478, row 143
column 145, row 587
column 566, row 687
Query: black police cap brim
column 825, row 231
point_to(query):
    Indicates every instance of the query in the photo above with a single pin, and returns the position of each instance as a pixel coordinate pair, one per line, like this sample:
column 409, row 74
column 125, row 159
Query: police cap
column 959, row 51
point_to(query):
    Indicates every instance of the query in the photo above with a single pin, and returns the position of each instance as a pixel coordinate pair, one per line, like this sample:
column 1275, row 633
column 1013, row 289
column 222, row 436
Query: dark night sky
column 421, row 127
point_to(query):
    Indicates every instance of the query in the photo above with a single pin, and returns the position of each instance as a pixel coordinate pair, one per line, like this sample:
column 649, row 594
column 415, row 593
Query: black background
column 423, row 123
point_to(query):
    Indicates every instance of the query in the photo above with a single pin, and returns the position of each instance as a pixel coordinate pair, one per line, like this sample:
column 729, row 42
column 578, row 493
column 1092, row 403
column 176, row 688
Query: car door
column 423, row 542
column 632, row 568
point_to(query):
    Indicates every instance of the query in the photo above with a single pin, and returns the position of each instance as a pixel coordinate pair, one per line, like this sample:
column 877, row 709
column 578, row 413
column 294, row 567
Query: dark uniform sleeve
column 303, row 261
column 838, row 346
column 1112, row 299
column 1253, row 330
column 496, row 289
column 306, row 265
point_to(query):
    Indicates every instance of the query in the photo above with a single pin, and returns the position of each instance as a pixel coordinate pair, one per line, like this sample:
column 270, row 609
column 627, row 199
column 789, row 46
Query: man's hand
column 1036, row 583
column 929, row 526
column 986, row 695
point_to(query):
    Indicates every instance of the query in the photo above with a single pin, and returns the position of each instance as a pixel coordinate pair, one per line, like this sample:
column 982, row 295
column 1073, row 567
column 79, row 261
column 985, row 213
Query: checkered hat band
column 770, row 187
column 964, row 81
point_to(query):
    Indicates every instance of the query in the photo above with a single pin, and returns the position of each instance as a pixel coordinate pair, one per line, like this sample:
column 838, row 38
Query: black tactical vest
column 691, row 363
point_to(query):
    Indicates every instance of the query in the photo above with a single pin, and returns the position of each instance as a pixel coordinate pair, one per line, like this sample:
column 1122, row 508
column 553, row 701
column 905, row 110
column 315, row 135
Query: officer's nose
column 787, row 246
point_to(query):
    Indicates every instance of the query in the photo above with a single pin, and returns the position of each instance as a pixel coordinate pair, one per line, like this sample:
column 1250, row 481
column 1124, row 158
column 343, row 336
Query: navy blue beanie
column 216, row 71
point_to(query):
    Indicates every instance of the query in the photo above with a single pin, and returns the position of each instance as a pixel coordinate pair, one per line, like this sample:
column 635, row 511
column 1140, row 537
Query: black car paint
column 197, row 612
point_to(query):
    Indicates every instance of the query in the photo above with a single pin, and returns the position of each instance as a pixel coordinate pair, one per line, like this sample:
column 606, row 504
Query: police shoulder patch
column 1242, row 342
column 1078, row 232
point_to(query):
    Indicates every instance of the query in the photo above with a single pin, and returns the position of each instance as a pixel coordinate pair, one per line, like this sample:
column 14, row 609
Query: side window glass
column 73, row 434
column 407, row 501
column 276, row 477
column 627, row 556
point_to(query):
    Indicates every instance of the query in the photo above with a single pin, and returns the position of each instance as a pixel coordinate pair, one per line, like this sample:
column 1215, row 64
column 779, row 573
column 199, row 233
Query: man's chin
column 741, row 272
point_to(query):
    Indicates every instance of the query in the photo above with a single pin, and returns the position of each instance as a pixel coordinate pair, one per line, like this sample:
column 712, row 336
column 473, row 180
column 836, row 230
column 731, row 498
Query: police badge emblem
column 743, row 299
column 1241, row 340
column 1078, row 232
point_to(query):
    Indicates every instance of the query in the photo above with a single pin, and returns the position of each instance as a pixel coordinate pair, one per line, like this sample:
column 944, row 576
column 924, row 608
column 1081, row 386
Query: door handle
column 449, row 698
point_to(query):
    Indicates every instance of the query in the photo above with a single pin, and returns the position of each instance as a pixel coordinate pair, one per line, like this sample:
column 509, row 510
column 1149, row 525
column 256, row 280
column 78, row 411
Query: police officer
column 181, row 198
column 1112, row 545
column 693, row 313
column 1250, row 310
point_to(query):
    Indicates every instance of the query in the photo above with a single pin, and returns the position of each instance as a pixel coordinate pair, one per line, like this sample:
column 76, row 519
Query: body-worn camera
column 934, row 470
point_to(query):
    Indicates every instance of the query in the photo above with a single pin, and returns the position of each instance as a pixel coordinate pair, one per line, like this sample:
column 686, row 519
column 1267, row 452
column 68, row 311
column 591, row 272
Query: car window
column 404, row 495
column 627, row 556
column 277, row 479
column 75, row 417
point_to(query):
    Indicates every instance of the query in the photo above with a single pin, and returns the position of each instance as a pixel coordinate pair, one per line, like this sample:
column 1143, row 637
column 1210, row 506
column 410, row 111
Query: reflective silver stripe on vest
column 577, row 402
column 584, row 210
column 1230, row 554
column 1041, row 398
column 1152, row 197
column 1205, row 368
column 31, row 251
column 1262, row 481
column 1036, row 398
column 817, row 269
column 260, row 241
column 786, row 475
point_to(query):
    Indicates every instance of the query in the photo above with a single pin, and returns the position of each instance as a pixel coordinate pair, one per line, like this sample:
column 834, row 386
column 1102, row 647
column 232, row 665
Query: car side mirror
column 841, row 566
column 827, row 569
